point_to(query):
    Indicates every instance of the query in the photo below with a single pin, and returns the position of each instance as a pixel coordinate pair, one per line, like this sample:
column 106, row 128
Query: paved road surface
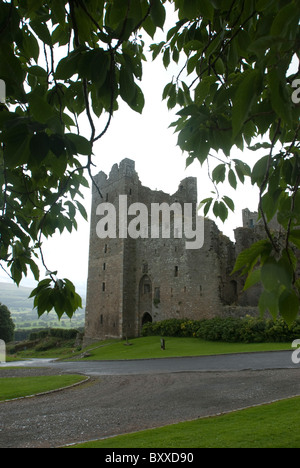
column 129, row 396
column 231, row 362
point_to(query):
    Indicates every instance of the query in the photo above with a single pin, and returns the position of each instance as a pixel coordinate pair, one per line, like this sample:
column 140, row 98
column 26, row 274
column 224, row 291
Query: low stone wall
column 239, row 311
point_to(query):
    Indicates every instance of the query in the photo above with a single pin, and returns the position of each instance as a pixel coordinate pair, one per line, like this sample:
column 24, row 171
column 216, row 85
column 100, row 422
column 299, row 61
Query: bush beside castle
column 231, row 330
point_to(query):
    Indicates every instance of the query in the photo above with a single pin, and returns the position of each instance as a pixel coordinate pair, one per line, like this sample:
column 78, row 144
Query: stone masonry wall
column 131, row 281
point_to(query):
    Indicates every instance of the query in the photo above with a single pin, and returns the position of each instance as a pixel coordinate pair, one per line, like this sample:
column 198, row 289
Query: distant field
column 14, row 297
column 25, row 317
column 28, row 319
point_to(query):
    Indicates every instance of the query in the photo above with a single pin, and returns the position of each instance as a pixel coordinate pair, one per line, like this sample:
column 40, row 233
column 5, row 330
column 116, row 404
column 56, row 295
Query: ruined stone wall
column 105, row 287
column 132, row 281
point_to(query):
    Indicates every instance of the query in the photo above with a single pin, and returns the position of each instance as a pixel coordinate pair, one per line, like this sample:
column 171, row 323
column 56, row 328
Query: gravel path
column 110, row 405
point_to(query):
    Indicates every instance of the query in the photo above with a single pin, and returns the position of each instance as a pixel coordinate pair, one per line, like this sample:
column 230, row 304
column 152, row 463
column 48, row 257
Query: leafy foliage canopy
column 236, row 86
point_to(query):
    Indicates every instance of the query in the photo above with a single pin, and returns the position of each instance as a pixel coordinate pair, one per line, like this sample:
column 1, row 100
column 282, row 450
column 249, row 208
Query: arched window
column 146, row 318
column 145, row 285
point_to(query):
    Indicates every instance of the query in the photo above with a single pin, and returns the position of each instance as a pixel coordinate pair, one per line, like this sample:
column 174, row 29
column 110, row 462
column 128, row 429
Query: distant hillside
column 15, row 297
column 24, row 317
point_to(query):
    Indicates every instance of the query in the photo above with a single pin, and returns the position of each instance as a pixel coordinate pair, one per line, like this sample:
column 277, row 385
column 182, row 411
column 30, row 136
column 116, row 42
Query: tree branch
column 263, row 186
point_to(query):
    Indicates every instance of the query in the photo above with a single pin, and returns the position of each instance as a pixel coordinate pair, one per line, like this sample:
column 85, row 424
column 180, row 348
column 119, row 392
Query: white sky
column 159, row 162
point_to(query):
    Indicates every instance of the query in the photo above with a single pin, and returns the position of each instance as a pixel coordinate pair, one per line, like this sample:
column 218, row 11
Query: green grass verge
column 269, row 426
column 149, row 348
column 17, row 387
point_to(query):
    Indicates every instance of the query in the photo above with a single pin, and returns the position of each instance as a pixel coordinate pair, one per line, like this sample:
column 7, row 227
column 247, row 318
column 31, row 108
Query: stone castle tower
column 135, row 280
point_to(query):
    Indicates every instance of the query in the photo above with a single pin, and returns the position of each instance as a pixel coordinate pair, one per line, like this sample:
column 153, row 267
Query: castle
column 154, row 272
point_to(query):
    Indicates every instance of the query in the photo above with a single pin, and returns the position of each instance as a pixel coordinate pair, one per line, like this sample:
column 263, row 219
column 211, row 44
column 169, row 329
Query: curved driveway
column 134, row 395
column 219, row 363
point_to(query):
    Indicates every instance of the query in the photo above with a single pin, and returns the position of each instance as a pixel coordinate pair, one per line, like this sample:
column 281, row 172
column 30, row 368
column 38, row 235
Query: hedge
column 66, row 334
column 231, row 330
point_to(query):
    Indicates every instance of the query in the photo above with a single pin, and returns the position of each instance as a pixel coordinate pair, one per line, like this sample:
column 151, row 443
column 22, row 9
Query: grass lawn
column 149, row 347
column 16, row 387
column 269, row 426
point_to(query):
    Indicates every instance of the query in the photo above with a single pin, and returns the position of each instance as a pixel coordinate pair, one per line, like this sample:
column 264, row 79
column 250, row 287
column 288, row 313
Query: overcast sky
column 159, row 162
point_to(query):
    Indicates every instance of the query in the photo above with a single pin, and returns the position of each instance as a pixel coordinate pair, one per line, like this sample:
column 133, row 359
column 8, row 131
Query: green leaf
column 59, row 12
column 248, row 258
column 203, row 88
column 193, row 9
column 16, row 272
column 280, row 99
column 270, row 204
column 35, row 270
column 242, row 169
column 276, row 274
column 138, row 102
column 207, row 202
column 38, row 71
column 30, row 45
column 219, row 173
column 220, row 211
column 40, row 109
column 72, row 209
column 295, row 237
column 39, row 146
column 243, row 99
column 158, row 13
column 166, row 57
column 127, row 85
column 42, row 31
column 16, row 142
column 232, row 179
column 57, row 145
column 283, row 19
column 259, row 171
column 80, row 145
column 253, row 278
column 149, row 27
column 82, row 210
column 70, row 65
column 268, row 301
column 289, row 305
column 229, row 203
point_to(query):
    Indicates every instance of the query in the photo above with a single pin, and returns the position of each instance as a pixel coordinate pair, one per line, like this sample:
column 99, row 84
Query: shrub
column 6, row 324
column 66, row 334
column 229, row 329
column 46, row 344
